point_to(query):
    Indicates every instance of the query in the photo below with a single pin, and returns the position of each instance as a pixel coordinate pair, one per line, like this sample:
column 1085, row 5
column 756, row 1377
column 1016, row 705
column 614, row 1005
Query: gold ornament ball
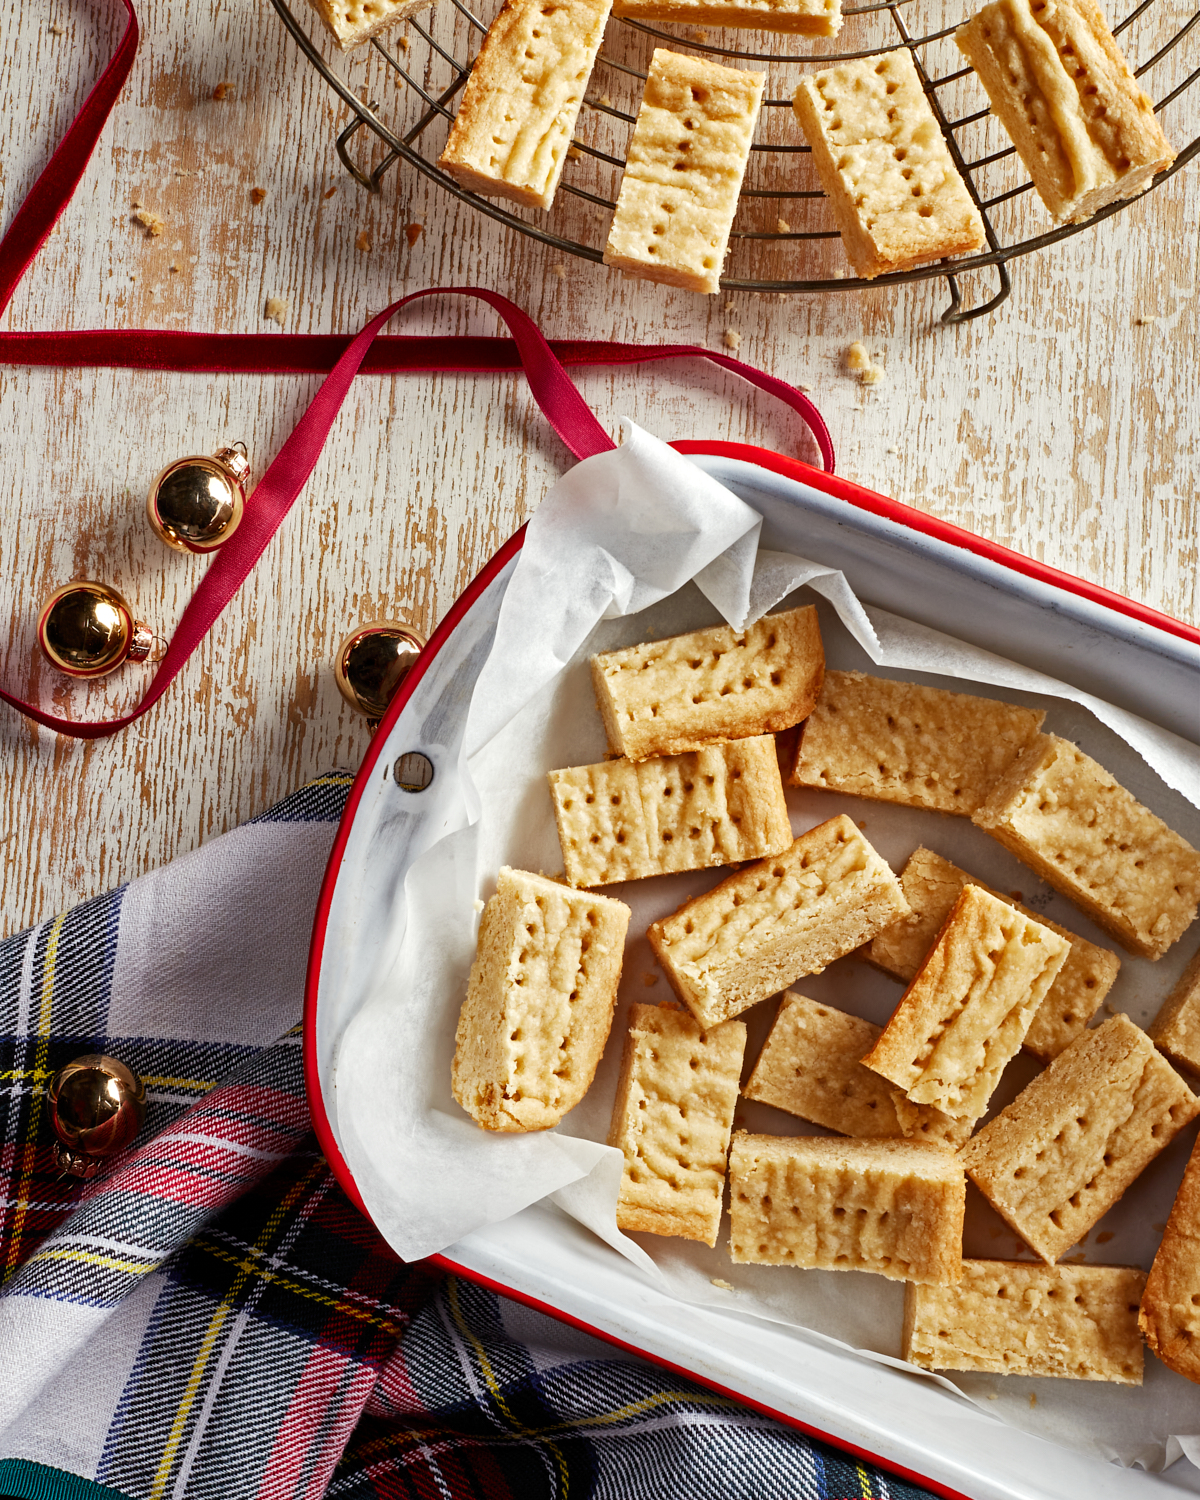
column 97, row 1106
column 373, row 661
column 196, row 503
column 86, row 629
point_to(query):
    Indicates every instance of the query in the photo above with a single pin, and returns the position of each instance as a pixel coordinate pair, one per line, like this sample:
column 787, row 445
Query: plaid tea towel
column 211, row 1317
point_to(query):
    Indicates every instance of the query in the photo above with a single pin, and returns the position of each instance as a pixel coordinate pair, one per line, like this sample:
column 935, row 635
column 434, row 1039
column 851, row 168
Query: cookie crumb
column 558, row 269
column 405, row 44
column 573, row 153
column 257, row 195
column 649, row 980
column 362, row 240
column 223, row 89
column 893, row 449
column 859, row 363
column 606, row 100
column 1033, row 1398
column 172, row 267
column 700, row 36
column 782, row 226
column 55, row 30
column 477, row 904
column 1145, row 320
column 412, row 233
column 726, row 1286
column 992, row 1396
column 732, row 339
column 276, row 309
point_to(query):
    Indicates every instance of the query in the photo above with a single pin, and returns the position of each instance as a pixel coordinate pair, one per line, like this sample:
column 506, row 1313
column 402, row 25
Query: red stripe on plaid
column 323, row 1412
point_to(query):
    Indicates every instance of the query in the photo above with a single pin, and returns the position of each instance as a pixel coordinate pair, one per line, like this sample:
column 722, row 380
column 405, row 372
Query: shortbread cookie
column 691, row 690
column 768, row 925
column 893, row 1207
column 672, row 1118
column 1170, row 1314
column 1006, row 1317
column 810, row 1066
column 1070, row 1143
column 920, row 746
column 353, row 22
column 1059, row 85
column 931, row 886
column 687, row 158
column 539, row 1002
column 518, row 110
column 896, row 195
column 965, row 1015
column 716, row 806
column 1083, row 833
column 793, row 17
column 1176, row 1028
column 921, row 1122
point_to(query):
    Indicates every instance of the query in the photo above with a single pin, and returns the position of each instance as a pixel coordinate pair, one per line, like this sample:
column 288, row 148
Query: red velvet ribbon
column 148, row 349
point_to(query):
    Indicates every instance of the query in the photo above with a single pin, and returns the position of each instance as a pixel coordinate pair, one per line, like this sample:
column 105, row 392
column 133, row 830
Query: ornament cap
column 373, row 661
column 196, row 503
column 86, row 629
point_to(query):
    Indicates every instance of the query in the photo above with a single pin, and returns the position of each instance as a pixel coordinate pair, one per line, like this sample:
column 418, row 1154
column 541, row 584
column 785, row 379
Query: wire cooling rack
column 783, row 240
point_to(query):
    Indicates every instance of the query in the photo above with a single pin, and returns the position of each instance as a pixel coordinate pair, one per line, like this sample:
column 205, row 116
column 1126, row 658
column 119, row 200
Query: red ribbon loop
column 542, row 361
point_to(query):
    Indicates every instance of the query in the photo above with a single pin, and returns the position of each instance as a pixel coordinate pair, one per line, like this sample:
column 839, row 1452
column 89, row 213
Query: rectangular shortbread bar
column 539, row 1001
column 893, row 1207
column 1060, row 86
column 810, row 1065
column 965, row 1015
column 1176, row 1028
column 896, row 195
column 1006, row 1317
column 679, row 694
column 1170, row 1313
column 1070, row 1143
column 716, row 806
column 353, row 22
column 794, row 17
column 1082, row 832
column 920, row 746
column 518, row 110
column 684, row 171
column 768, row 925
column 931, row 886
column 672, row 1119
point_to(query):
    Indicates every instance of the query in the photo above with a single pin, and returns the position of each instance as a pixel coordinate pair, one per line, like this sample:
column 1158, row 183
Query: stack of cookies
column 695, row 782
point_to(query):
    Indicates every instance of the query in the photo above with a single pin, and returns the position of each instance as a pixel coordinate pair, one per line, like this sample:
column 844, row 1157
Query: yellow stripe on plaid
column 40, row 1058
column 493, row 1384
column 624, row 1413
column 338, row 1304
column 204, row 1084
column 282, row 1209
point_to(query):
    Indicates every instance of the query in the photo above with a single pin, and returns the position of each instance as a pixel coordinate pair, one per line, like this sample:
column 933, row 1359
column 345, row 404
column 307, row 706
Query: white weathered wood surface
column 1066, row 425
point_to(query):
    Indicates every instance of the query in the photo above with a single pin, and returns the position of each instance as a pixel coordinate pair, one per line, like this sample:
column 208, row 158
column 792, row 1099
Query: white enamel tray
column 913, row 565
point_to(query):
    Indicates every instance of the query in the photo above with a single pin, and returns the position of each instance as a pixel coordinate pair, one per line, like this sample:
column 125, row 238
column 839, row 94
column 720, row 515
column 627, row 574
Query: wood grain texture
column 1066, row 425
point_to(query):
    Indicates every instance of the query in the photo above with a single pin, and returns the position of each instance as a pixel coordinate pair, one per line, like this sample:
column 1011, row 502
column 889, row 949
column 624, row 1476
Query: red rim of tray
column 841, row 489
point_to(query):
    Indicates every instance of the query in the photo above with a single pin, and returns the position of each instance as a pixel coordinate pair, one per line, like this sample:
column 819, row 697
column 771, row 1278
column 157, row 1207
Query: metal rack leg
column 956, row 313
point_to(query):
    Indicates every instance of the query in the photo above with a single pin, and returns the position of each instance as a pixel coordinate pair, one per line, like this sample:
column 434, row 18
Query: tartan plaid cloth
column 211, row 1317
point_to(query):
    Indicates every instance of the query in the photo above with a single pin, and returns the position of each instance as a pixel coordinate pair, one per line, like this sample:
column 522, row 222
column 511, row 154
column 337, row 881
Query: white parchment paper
column 631, row 545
